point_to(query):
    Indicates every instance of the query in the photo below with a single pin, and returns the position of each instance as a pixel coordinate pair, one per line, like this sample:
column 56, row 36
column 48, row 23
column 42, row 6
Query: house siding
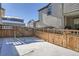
column 69, row 7
column 55, row 19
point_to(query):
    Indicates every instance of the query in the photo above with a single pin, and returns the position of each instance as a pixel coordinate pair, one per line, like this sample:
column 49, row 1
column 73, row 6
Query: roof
column 44, row 7
column 30, row 21
column 37, row 21
column 2, row 8
column 13, row 24
column 11, row 17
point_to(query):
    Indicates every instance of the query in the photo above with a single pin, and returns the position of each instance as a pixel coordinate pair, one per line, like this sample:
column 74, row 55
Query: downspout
column 63, row 15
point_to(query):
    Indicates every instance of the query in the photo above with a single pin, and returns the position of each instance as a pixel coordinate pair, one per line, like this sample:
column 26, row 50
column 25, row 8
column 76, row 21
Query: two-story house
column 9, row 22
column 59, row 15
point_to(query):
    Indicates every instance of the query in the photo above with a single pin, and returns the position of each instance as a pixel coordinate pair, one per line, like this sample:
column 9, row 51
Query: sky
column 26, row 11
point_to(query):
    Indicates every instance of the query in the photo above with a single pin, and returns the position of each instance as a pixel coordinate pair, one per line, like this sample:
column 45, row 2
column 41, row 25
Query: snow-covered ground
column 32, row 46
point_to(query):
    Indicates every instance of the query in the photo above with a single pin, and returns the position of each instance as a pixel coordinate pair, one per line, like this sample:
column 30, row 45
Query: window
column 76, row 21
column 40, row 16
column 49, row 10
column 49, row 13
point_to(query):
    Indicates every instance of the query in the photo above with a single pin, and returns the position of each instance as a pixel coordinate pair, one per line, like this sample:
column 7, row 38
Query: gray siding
column 69, row 7
column 55, row 19
column 57, row 10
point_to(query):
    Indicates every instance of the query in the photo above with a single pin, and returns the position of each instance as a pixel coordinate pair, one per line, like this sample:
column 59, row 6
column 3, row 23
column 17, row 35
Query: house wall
column 39, row 24
column 55, row 19
column 57, row 10
column 69, row 7
column 31, row 25
column 2, row 12
column 52, row 21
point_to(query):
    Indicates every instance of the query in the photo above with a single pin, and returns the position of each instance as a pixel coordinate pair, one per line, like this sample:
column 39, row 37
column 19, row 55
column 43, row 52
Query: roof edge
column 44, row 7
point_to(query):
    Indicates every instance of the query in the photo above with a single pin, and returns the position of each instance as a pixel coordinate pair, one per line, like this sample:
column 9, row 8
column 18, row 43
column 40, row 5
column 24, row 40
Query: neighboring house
column 34, row 24
column 51, row 15
column 39, row 24
column 8, row 22
column 30, row 24
column 59, row 15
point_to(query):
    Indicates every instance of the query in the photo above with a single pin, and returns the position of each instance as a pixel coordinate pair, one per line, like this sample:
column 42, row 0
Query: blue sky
column 26, row 11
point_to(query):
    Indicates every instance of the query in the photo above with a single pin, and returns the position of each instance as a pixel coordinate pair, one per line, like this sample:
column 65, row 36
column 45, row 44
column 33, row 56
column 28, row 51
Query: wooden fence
column 65, row 38
column 16, row 31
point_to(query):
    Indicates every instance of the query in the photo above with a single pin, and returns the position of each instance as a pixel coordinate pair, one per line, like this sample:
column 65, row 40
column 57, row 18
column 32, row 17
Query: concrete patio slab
column 32, row 46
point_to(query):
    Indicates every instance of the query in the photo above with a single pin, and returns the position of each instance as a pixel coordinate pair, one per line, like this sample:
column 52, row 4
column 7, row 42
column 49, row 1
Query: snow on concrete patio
column 32, row 46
